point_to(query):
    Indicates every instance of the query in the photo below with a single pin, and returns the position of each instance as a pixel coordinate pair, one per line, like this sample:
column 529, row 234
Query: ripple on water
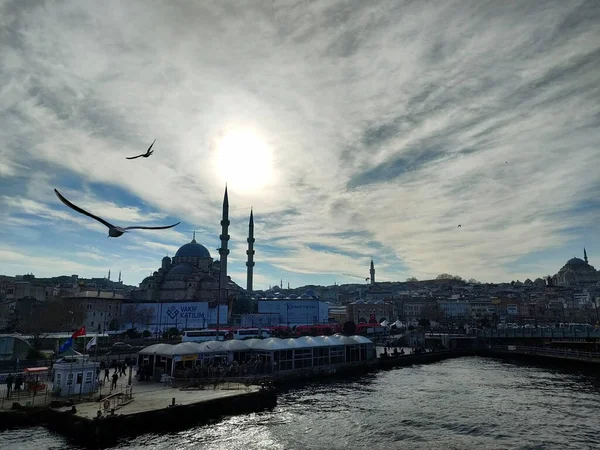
column 467, row 403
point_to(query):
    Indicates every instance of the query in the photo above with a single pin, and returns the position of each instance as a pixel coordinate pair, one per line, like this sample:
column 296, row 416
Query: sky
column 354, row 129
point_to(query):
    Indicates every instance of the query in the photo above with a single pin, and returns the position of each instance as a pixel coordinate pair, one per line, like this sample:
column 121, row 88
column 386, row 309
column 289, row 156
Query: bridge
column 589, row 334
column 546, row 353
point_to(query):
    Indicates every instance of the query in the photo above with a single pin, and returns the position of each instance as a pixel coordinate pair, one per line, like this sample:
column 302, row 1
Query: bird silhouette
column 113, row 231
column 459, row 226
column 145, row 155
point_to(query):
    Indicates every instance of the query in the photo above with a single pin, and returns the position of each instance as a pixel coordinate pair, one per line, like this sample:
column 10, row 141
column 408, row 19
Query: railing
column 116, row 400
column 540, row 332
column 224, row 383
column 551, row 352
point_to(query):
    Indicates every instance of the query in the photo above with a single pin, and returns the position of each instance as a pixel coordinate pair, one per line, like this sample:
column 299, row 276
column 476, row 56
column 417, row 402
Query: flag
column 91, row 343
column 78, row 333
column 66, row 345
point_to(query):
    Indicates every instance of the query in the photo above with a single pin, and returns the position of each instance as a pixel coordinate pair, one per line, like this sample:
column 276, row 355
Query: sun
column 244, row 160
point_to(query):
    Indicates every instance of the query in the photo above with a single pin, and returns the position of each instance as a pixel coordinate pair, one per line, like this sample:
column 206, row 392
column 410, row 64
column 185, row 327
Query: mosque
column 577, row 272
column 193, row 276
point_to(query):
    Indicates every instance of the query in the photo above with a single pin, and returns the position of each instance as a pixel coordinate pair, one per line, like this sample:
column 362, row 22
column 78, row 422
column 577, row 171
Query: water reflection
column 457, row 404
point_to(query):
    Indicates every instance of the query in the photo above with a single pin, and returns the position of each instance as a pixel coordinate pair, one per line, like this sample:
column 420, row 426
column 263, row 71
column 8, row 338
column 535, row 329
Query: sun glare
column 244, row 160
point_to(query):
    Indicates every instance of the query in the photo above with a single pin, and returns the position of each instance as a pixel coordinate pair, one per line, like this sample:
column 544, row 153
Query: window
column 58, row 378
column 69, row 379
column 302, row 358
column 92, row 324
column 88, row 377
column 79, row 378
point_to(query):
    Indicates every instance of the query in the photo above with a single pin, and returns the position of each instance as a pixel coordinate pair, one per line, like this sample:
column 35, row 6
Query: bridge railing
column 553, row 352
column 540, row 332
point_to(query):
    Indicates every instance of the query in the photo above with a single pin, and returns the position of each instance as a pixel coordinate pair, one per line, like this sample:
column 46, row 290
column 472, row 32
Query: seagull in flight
column 459, row 226
column 113, row 231
column 145, row 155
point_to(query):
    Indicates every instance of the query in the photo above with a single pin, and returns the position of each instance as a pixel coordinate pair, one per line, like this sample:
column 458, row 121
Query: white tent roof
column 235, row 345
column 336, row 340
column 271, row 344
column 361, row 339
column 185, row 348
column 314, row 341
column 212, row 347
column 157, row 349
column 297, row 343
column 250, row 343
column 345, row 340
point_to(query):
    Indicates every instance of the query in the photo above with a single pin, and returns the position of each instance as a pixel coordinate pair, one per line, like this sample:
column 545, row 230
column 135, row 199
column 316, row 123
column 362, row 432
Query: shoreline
column 83, row 429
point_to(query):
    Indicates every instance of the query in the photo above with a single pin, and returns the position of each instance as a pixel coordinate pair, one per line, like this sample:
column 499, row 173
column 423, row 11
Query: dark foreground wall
column 107, row 431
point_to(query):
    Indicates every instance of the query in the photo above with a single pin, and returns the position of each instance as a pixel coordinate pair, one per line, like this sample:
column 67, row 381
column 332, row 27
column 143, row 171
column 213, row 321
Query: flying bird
column 459, row 226
column 113, row 231
column 145, row 155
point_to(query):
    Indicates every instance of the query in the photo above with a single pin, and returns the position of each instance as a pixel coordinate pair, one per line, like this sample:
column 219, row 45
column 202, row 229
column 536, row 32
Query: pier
column 547, row 354
column 143, row 408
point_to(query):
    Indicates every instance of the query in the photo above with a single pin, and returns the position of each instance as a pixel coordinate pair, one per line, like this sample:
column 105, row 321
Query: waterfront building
column 282, row 356
column 101, row 309
column 370, row 311
column 75, row 375
column 305, row 309
column 455, row 309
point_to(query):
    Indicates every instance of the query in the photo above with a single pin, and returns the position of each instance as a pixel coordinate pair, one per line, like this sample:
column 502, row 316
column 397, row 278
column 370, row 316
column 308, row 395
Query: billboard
column 180, row 315
column 256, row 320
column 296, row 312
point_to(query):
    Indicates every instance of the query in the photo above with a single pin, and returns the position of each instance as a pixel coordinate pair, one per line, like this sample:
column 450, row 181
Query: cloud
column 389, row 123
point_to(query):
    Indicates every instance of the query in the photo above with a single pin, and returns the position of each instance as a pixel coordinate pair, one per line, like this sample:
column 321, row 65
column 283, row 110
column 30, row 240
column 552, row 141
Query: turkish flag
column 78, row 333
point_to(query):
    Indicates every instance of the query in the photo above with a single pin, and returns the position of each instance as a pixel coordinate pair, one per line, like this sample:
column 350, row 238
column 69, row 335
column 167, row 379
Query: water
column 466, row 403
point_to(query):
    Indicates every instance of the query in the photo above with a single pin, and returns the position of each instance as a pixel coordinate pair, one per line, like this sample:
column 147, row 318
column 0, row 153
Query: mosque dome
column 182, row 268
column 193, row 249
column 576, row 262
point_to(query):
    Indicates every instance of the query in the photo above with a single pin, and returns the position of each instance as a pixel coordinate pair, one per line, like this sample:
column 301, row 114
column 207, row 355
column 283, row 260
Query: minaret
column 119, row 276
column 250, row 252
column 585, row 255
column 281, row 283
column 372, row 272
column 223, row 252
column 108, row 274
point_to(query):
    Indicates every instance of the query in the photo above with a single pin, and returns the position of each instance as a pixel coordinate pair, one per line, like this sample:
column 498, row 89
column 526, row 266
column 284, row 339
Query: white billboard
column 188, row 315
column 296, row 312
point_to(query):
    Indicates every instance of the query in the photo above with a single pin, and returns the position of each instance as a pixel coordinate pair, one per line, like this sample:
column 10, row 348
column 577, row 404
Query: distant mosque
column 193, row 276
column 576, row 272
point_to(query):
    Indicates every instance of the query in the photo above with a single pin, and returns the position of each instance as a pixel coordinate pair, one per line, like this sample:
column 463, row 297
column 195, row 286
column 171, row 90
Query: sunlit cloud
column 360, row 130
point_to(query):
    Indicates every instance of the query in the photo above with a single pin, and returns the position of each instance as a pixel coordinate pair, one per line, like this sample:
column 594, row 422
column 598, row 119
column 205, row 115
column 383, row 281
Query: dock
column 149, row 397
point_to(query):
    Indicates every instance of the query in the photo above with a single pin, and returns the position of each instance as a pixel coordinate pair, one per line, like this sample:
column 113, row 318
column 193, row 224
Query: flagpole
column 82, row 363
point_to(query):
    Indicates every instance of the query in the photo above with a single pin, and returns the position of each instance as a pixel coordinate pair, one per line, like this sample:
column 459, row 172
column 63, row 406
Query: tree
column 473, row 281
column 130, row 315
column 444, row 276
column 145, row 316
column 447, row 276
column 40, row 318
column 411, row 280
column 349, row 328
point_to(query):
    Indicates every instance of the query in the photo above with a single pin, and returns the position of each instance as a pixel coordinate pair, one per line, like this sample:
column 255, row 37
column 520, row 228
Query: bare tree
column 41, row 318
column 411, row 279
column 447, row 276
column 130, row 315
column 145, row 316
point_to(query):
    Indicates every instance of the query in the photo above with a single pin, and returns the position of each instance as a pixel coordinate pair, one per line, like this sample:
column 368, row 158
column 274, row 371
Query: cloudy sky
column 355, row 129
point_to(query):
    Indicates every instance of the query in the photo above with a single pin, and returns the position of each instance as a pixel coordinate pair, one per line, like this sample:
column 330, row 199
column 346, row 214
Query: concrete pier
column 154, row 408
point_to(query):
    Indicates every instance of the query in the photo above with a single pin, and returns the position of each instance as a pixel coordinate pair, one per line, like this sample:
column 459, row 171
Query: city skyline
column 354, row 131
